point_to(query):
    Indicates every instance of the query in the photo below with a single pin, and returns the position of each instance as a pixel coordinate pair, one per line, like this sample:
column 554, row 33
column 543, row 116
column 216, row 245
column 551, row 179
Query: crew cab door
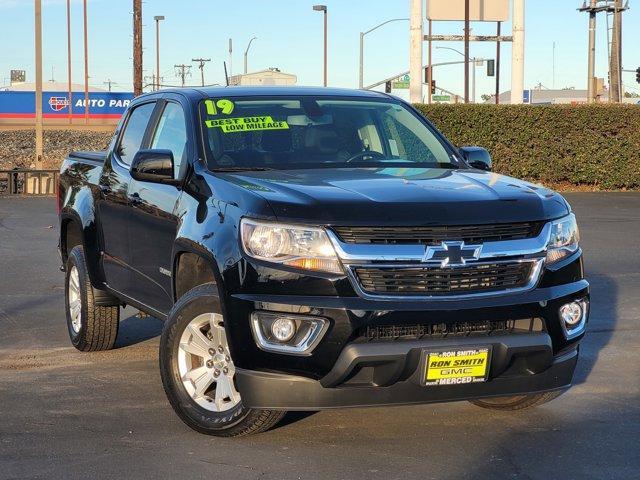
column 113, row 204
column 154, row 223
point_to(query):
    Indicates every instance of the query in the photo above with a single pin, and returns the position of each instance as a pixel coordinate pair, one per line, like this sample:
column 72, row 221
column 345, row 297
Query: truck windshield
column 317, row 132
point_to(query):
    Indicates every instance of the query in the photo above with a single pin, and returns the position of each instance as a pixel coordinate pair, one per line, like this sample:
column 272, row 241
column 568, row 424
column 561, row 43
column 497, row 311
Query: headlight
column 564, row 238
column 301, row 247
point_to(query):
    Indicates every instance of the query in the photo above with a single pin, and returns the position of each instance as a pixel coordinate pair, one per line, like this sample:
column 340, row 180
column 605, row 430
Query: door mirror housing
column 477, row 157
column 154, row 166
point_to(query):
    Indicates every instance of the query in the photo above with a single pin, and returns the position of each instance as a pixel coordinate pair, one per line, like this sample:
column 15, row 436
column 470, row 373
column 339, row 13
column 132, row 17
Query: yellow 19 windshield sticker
column 239, row 124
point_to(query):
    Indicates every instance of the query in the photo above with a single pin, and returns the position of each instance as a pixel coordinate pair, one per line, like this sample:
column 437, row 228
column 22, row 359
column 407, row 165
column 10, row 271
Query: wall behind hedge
column 595, row 145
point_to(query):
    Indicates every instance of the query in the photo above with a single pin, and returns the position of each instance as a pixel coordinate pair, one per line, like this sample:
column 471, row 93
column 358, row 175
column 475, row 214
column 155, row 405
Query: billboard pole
column 415, row 52
column 69, row 61
column 86, row 67
column 38, row 40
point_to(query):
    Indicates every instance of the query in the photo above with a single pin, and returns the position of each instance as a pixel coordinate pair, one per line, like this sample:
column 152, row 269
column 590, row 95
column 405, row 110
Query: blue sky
column 290, row 37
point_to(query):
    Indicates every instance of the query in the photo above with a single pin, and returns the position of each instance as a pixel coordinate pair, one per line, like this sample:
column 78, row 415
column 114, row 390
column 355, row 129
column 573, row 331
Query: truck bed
column 97, row 157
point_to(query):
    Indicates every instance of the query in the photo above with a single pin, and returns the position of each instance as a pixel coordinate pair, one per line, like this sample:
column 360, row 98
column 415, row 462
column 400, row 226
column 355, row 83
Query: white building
column 271, row 76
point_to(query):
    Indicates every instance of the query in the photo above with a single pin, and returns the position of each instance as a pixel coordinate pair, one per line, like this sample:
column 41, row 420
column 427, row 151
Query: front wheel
column 198, row 373
column 517, row 402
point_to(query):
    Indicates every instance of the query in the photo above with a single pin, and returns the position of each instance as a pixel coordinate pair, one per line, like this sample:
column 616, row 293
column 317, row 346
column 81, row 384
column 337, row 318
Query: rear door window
column 134, row 131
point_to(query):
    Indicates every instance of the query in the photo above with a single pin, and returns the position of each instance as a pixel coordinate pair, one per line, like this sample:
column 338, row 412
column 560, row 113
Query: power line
column 201, row 62
column 183, row 71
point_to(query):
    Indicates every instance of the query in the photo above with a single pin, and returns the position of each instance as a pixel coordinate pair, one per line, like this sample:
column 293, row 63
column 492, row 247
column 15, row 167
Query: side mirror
column 155, row 166
column 477, row 157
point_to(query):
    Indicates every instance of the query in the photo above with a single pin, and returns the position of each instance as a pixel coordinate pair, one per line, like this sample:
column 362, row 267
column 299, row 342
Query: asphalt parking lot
column 64, row 414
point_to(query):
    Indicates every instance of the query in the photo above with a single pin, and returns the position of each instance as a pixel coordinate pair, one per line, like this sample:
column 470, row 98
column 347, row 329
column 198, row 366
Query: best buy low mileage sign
column 225, row 106
column 457, row 367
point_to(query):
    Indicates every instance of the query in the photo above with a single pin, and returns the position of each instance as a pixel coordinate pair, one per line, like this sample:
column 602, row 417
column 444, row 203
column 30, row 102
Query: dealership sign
column 56, row 104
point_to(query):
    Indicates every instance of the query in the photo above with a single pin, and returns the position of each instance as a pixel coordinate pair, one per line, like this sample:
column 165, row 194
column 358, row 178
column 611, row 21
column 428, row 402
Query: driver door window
column 171, row 134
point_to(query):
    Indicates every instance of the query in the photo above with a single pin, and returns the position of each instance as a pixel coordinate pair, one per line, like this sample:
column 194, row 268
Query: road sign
column 526, row 96
column 479, row 10
column 402, row 83
column 441, row 98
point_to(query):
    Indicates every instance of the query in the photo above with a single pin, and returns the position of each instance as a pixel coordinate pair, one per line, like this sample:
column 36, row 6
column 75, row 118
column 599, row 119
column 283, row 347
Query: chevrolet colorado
column 318, row 248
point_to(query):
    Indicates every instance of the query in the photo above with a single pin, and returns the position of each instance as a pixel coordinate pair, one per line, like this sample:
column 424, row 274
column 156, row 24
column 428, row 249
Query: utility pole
column 183, row 71
column 86, row 64
column 109, row 82
column 137, row 47
column 70, row 93
column 38, row 40
column 466, row 50
column 415, row 52
column 615, row 65
column 201, row 62
column 498, row 32
column 591, row 75
column 517, row 58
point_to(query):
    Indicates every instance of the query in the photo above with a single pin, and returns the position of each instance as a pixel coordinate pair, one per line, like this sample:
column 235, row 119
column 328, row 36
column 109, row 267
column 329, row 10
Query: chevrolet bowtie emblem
column 452, row 254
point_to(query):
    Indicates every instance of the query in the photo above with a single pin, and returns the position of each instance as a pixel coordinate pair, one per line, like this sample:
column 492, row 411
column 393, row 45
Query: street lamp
column 323, row 8
column 246, row 52
column 473, row 71
column 362, row 34
column 158, row 18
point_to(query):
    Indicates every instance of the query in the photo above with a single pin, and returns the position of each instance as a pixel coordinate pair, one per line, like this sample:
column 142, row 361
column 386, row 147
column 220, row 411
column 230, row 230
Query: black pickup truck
column 318, row 248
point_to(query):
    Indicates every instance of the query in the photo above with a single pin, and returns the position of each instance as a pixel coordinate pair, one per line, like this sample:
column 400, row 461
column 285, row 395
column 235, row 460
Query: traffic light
column 387, row 87
column 433, row 87
column 426, row 75
column 491, row 68
column 638, row 75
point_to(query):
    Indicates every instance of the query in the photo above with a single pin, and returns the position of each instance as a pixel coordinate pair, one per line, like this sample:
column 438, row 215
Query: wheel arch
column 193, row 265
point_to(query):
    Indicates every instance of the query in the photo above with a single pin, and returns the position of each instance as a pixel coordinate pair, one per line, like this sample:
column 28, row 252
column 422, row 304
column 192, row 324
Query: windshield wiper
column 241, row 169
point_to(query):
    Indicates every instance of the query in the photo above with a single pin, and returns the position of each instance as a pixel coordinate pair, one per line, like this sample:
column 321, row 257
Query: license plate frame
column 463, row 376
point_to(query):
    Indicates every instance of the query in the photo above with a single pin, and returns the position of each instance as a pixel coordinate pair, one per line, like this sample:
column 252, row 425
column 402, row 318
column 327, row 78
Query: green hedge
column 597, row 146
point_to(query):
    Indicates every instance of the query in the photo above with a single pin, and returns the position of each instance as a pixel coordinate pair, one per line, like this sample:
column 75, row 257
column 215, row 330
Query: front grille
column 477, row 278
column 436, row 235
column 444, row 330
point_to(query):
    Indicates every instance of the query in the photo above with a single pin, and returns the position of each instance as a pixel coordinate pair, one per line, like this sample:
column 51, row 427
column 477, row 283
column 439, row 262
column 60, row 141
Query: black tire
column 517, row 402
column 99, row 325
column 236, row 421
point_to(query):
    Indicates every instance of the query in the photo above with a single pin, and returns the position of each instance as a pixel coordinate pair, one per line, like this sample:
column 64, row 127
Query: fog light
column 571, row 313
column 573, row 317
column 286, row 332
column 283, row 329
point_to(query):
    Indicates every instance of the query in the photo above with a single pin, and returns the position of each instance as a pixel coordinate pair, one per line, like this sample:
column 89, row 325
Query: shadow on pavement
column 135, row 330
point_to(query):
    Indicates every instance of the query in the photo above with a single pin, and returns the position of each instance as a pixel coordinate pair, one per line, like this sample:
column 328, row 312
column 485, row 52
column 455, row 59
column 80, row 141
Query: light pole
column 473, row 71
column 323, row 8
column 246, row 53
column 362, row 34
column 158, row 18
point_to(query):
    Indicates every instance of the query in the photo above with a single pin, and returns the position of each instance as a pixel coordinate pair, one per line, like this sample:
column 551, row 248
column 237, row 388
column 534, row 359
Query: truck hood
column 400, row 196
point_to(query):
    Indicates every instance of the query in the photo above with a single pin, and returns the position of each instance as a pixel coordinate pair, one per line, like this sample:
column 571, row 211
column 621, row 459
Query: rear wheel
column 198, row 372
column 91, row 327
column 517, row 402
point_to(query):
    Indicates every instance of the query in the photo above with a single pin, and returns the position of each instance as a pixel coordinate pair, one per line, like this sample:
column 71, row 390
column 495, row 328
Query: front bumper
column 390, row 373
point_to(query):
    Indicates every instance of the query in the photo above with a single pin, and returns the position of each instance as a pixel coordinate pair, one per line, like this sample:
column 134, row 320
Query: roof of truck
column 206, row 92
